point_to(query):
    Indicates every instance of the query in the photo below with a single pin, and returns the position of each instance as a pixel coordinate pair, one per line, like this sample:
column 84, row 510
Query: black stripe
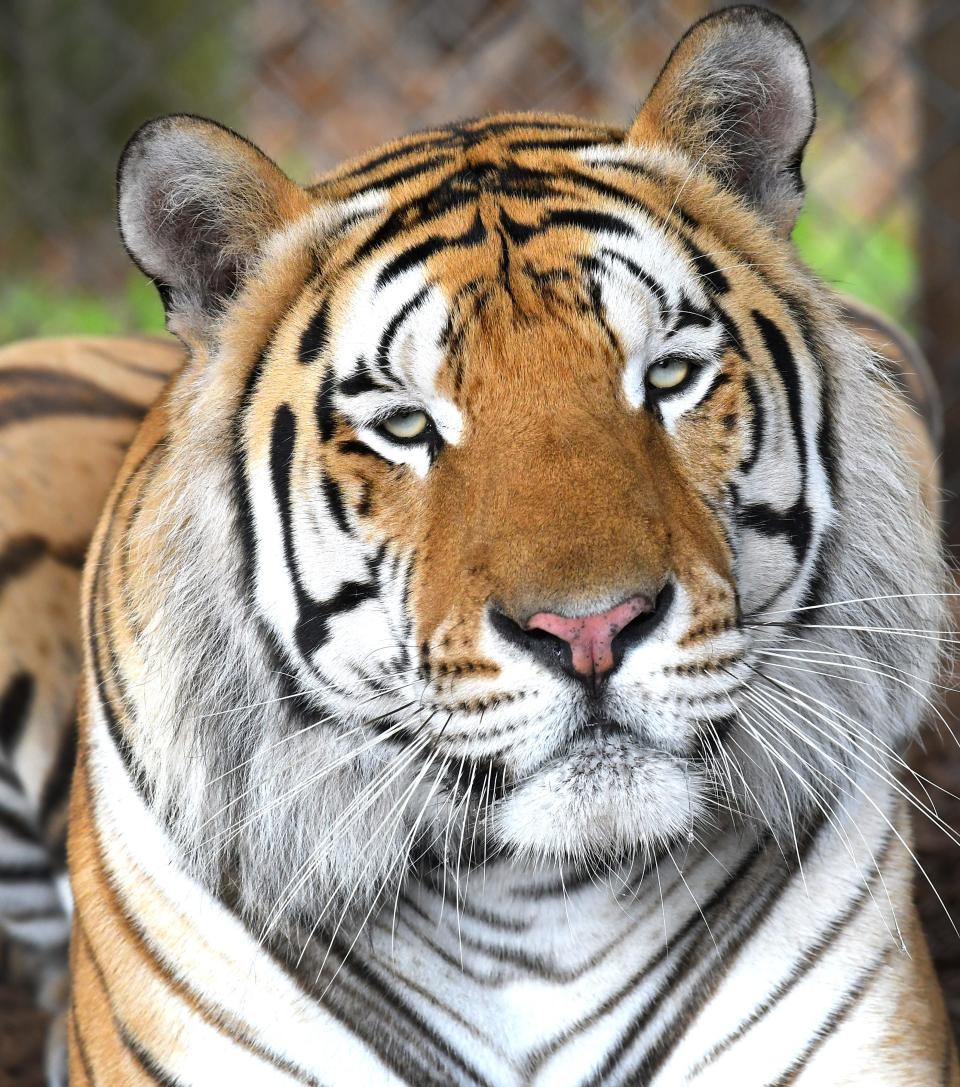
column 708, row 271
column 405, row 151
column 57, row 785
column 148, row 1065
column 364, row 505
column 456, row 191
column 719, row 380
column 685, row 942
column 782, row 357
column 334, row 500
column 45, row 913
column 23, row 552
column 517, row 232
column 482, row 128
column 748, row 915
column 688, row 316
column 758, row 901
column 645, row 278
column 757, row 421
column 827, row 441
column 15, row 708
column 357, row 448
column 81, row 1049
column 401, row 1036
column 804, row 964
column 362, row 381
column 243, row 521
column 597, row 308
column 36, row 393
column 316, row 336
column 99, row 692
column 406, row 173
column 394, row 324
column 828, row 1026
column 604, row 188
column 312, row 627
column 474, row 235
column 590, row 220
column 561, row 143
column 795, row 523
column 8, row 776
column 19, row 555
column 136, row 367
column 16, row 826
column 96, row 634
column 28, row 872
column 324, row 409
column 136, row 1051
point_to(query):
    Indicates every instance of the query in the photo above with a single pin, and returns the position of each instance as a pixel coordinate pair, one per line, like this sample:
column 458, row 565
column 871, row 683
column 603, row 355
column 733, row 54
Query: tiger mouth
column 606, row 739
column 603, row 728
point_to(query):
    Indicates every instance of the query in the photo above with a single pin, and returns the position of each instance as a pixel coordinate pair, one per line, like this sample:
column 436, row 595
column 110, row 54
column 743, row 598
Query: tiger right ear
column 737, row 98
column 196, row 202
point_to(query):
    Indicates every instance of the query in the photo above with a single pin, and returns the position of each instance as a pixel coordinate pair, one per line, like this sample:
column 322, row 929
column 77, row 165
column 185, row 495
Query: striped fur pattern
column 68, row 411
column 342, row 812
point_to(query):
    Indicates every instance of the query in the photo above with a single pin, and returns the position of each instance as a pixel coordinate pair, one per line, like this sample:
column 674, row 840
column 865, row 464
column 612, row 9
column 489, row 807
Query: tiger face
column 526, row 440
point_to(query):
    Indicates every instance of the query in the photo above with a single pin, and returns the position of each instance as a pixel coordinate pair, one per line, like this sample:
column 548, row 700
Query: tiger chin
column 502, row 636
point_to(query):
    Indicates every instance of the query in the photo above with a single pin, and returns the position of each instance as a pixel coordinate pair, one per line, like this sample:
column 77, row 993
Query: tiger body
column 527, row 980
column 502, row 633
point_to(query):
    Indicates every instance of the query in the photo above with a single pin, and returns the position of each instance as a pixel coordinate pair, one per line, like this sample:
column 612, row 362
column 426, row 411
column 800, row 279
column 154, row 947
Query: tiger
column 502, row 636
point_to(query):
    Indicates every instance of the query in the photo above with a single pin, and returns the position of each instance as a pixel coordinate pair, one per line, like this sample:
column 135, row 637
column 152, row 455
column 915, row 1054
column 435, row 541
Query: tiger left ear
column 196, row 204
column 736, row 96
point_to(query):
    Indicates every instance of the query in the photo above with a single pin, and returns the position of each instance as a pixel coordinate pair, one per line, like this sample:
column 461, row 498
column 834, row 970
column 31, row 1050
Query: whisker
column 828, row 814
column 882, row 672
column 875, row 765
column 360, row 803
column 860, row 600
column 900, row 632
column 695, row 902
column 307, row 783
column 883, row 816
column 870, row 739
column 316, row 724
column 443, row 770
column 376, row 899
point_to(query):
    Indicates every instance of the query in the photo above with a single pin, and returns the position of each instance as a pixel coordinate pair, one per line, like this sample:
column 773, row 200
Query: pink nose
column 590, row 637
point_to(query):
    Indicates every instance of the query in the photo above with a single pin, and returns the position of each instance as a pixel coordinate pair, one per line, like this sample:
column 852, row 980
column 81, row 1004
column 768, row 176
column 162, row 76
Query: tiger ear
column 736, row 96
column 196, row 203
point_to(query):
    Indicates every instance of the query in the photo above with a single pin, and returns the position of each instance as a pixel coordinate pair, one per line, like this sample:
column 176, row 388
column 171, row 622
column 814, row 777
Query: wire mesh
column 314, row 81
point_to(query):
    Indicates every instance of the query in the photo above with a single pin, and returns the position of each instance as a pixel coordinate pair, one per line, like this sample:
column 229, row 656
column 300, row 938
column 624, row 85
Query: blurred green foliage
column 875, row 262
column 39, row 309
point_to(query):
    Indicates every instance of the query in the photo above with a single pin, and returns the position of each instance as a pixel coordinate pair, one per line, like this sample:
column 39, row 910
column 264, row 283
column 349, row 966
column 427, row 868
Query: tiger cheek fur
column 504, row 630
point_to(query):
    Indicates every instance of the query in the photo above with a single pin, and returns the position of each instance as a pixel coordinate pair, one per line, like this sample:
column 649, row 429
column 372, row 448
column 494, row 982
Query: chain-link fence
column 313, row 81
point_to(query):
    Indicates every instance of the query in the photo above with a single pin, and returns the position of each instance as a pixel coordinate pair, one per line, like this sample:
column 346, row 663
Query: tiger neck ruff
column 498, row 640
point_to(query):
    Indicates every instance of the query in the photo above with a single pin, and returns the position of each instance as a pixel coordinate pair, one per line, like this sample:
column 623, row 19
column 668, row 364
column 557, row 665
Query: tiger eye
column 406, row 425
column 668, row 374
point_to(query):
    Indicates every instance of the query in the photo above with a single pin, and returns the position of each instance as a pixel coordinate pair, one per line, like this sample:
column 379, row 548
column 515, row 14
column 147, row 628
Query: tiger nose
column 586, row 647
column 590, row 637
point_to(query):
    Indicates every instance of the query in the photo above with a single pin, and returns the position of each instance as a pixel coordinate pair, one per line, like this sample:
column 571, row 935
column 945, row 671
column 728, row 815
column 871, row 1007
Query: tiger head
column 502, row 456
